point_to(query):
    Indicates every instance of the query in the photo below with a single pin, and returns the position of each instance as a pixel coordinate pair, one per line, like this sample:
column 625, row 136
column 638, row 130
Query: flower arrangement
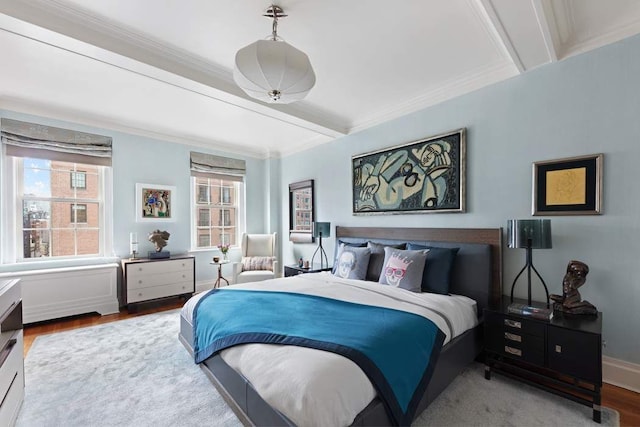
column 224, row 249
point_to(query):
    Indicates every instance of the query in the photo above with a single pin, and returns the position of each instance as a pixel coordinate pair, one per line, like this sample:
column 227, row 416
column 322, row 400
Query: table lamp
column 320, row 230
column 529, row 234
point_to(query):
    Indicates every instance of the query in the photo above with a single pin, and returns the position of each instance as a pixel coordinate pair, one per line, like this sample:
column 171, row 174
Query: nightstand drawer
column 575, row 353
column 523, row 347
column 515, row 324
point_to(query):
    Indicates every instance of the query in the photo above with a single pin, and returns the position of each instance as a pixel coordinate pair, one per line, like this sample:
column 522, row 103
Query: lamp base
column 529, row 266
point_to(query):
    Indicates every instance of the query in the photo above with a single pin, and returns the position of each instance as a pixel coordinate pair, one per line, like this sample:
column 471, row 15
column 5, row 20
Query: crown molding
column 604, row 39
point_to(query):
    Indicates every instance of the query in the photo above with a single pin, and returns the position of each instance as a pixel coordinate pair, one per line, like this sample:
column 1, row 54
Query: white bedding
column 314, row 387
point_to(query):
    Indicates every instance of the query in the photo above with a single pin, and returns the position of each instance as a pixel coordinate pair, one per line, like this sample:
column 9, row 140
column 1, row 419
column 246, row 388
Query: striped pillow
column 252, row 263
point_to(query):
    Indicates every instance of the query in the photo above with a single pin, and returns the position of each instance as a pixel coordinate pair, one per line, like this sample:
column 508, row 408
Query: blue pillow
column 437, row 270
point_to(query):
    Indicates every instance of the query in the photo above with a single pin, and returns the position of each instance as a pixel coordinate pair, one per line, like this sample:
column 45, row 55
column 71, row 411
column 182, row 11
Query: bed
column 476, row 276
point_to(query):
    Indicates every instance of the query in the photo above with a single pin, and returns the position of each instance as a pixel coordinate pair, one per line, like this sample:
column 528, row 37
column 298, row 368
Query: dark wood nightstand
column 293, row 270
column 562, row 356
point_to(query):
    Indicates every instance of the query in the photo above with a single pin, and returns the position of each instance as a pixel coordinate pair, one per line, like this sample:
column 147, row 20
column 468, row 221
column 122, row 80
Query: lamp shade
column 321, row 229
column 521, row 230
column 273, row 71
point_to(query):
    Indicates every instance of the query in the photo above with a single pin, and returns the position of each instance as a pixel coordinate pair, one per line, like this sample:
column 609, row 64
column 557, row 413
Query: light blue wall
column 583, row 105
column 138, row 159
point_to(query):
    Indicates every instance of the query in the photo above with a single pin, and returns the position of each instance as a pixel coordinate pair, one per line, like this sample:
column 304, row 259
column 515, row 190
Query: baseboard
column 621, row 373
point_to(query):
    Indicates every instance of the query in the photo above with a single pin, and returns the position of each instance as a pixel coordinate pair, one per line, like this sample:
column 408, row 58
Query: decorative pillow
column 377, row 259
column 340, row 243
column 352, row 262
column 403, row 269
column 252, row 263
column 437, row 271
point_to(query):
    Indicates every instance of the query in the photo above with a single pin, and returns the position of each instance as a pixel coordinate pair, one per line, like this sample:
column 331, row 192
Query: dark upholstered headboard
column 477, row 271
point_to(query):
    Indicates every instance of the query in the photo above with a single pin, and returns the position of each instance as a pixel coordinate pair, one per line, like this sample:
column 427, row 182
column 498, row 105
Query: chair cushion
column 254, row 276
column 259, row 245
column 253, row 263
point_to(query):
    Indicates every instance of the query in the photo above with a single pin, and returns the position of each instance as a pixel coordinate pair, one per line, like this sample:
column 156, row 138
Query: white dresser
column 11, row 352
column 150, row 279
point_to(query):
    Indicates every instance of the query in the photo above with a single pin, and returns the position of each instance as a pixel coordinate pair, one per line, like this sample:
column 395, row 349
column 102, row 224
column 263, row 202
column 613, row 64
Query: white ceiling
column 164, row 68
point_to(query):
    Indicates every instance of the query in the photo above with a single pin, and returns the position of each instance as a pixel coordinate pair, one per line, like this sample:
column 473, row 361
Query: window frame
column 239, row 187
column 11, row 206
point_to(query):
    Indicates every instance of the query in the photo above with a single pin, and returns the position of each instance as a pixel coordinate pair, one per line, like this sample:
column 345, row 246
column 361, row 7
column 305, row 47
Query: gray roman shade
column 210, row 166
column 23, row 139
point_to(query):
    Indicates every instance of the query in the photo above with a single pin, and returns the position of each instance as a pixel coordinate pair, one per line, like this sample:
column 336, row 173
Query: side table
column 220, row 277
column 562, row 355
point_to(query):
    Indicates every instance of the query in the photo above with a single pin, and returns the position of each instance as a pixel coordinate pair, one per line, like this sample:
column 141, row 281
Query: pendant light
column 272, row 70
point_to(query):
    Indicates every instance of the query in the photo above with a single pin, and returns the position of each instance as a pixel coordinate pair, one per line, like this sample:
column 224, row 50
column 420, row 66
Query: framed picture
column 154, row 202
column 571, row 186
column 301, row 208
column 419, row 177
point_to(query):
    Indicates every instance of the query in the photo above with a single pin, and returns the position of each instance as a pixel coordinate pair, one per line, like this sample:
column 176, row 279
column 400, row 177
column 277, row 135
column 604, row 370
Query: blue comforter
column 396, row 350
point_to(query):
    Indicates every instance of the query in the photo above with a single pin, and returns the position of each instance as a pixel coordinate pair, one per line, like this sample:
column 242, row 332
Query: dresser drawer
column 575, row 353
column 158, row 267
column 139, row 280
column 143, row 294
column 11, row 379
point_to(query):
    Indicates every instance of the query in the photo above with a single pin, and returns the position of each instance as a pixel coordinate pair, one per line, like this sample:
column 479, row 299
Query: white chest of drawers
column 11, row 352
column 150, row 279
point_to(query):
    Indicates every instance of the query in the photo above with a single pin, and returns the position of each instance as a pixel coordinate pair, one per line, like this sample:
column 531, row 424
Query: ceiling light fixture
column 272, row 70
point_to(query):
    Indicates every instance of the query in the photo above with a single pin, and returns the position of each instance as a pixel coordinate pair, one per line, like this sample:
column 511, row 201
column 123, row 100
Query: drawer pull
column 558, row 348
column 511, row 350
column 140, row 281
column 139, row 268
column 513, row 337
column 513, row 323
column 139, row 294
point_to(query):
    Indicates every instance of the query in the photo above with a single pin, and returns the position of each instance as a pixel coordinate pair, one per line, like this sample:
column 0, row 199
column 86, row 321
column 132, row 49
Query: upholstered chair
column 259, row 260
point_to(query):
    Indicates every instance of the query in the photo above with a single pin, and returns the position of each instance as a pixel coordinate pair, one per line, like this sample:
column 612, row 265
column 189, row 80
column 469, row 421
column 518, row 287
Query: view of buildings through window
column 61, row 205
column 216, row 212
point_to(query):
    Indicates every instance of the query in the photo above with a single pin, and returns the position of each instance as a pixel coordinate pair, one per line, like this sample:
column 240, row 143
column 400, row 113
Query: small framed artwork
column 154, row 202
column 423, row 176
column 571, row 186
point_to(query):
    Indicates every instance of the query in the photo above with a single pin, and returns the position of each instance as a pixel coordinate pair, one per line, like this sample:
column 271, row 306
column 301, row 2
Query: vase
column 224, row 256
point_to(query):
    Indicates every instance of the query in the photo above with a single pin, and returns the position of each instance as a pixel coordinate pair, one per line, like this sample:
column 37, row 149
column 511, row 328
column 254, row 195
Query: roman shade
column 210, row 166
column 23, row 139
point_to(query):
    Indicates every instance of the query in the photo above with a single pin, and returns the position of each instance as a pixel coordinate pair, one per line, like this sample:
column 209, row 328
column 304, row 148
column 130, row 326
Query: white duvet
column 319, row 388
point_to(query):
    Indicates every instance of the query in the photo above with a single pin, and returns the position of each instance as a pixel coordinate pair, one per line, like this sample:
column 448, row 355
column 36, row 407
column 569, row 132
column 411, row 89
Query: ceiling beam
column 494, row 20
column 548, row 28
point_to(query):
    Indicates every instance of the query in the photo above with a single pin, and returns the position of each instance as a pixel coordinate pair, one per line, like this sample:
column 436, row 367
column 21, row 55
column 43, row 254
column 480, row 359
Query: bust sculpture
column 570, row 301
column 159, row 239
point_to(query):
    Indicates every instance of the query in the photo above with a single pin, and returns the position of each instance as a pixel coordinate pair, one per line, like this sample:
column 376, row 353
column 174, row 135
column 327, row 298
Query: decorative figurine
column 570, row 300
column 159, row 239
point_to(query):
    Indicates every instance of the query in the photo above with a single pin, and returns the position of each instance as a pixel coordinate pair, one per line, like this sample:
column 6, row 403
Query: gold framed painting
column 571, row 186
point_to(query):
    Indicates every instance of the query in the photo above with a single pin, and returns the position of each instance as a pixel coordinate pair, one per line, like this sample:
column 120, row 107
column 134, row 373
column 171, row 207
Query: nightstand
column 562, row 355
column 293, row 270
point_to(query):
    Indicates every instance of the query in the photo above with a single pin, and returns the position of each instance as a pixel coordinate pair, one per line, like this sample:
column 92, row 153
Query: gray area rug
column 135, row 372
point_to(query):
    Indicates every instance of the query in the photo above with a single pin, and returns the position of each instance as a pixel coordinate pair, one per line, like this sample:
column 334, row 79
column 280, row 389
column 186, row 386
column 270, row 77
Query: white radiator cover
column 59, row 292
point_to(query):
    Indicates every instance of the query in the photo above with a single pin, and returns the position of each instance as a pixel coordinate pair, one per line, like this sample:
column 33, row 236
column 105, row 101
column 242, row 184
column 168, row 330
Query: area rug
column 134, row 372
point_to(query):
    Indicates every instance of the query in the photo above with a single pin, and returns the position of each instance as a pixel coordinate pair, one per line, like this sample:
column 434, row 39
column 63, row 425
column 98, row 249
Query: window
column 217, row 211
column 79, row 213
column 57, row 220
column 79, row 180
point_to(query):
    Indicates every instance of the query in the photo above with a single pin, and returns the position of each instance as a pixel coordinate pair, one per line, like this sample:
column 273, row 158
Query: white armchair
column 259, row 260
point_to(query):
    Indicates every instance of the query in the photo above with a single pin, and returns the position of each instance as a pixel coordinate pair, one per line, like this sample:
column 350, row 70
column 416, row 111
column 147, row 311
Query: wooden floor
column 626, row 402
